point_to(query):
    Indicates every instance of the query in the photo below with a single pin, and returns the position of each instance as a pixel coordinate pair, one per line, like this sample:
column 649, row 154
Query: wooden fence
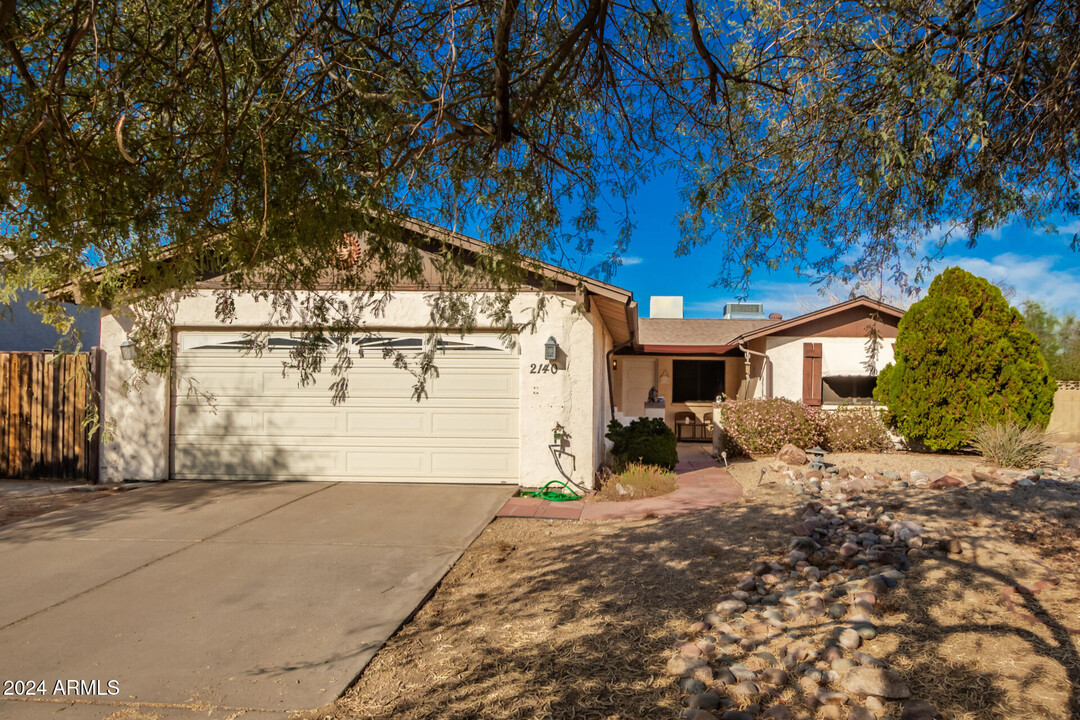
column 44, row 398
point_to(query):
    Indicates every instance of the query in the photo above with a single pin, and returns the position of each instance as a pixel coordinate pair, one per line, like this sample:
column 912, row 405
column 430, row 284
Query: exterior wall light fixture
column 551, row 350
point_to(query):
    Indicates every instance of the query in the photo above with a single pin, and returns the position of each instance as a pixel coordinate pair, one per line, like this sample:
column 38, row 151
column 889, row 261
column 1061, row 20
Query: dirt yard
column 14, row 509
column 550, row 619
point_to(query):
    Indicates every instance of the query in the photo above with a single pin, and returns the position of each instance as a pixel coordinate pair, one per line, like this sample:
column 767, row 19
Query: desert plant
column 853, row 429
column 636, row 481
column 1010, row 444
column 963, row 353
column 763, row 426
column 646, row 440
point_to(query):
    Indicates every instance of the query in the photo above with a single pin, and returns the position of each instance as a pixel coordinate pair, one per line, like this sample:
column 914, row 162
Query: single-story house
column 492, row 413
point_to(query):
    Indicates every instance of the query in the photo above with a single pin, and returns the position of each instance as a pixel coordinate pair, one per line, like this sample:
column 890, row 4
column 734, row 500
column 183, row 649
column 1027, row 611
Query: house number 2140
column 542, row 369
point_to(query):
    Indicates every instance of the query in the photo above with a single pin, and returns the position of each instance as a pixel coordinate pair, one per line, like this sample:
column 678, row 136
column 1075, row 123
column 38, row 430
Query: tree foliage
column 963, row 358
column 248, row 137
column 1059, row 339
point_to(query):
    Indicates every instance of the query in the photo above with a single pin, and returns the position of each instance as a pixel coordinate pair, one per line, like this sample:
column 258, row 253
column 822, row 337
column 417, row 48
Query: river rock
column 919, row 710
column 880, row 682
column 704, row 701
column 692, row 686
column 828, row 697
column 775, row 676
column 849, row 638
column 684, row 665
column 745, row 690
column 730, row 607
column 945, row 482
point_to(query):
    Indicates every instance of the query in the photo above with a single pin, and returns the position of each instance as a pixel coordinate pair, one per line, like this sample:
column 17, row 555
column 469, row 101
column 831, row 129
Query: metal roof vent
column 744, row 311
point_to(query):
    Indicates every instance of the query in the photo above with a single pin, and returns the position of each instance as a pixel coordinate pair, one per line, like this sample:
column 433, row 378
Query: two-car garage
column 236, row 415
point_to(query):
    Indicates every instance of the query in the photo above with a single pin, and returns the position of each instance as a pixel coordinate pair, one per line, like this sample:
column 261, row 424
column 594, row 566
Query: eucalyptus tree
column 147, row 144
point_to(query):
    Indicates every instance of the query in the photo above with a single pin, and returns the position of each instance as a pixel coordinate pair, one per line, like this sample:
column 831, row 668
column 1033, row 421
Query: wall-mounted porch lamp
column 551, row 350
column 128, row 351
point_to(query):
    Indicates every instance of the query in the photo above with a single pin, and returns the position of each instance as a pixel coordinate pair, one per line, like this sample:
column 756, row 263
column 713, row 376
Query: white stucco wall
column 139, row 449
column 839, row 356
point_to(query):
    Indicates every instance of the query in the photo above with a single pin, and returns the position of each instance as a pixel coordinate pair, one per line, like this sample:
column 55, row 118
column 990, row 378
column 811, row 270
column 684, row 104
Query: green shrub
column 854, row 429
column 646, row 440
column 762, row 427
column 1010, row 444
column 963, row 357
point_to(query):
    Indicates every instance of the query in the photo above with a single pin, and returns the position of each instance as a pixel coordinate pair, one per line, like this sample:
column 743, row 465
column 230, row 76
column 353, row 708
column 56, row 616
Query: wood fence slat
column 26, row 378
column 57, row 438
column 66, row 414
column 13, row 416
column 16, row 379
column 46, row 415
column 79, row 444
column 4, row 470
column 94, row 453
column 36, row 366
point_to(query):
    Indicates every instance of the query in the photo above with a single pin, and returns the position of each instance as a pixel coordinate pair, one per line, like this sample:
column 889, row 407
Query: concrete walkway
column 205, row 599
column 702, row 483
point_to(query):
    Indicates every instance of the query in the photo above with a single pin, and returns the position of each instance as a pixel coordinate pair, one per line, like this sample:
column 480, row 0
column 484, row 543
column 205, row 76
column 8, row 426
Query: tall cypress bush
column 963, row 357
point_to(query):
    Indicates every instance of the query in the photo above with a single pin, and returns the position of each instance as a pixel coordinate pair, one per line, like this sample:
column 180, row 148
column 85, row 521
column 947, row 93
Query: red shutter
column 811, row 383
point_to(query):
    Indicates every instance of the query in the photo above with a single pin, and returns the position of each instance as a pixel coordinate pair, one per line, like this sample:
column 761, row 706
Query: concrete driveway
column 221, row 596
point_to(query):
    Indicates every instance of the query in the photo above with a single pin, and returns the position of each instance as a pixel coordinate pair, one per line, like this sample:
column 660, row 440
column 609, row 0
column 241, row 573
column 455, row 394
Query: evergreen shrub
column 963, row 358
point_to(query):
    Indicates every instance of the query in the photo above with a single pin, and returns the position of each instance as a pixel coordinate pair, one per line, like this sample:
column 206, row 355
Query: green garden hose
column 552, row 495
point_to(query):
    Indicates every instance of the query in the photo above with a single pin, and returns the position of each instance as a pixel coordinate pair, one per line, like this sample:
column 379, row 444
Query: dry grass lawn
column 638, row 481
column 549, row 619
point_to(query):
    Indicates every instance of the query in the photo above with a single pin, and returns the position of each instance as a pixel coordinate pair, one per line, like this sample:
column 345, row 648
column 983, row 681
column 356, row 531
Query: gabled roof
column 774, row 327
column 616, row 305
column 714, row 336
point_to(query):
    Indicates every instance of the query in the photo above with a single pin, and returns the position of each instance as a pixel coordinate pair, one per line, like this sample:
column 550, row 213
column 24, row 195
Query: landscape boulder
column 791, row 455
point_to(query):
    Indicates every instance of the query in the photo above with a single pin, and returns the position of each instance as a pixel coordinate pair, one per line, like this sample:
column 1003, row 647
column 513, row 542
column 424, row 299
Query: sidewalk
column 703, row 483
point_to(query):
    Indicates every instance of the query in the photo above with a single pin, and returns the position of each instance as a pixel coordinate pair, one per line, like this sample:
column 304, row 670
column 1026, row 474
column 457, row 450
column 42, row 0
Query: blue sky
column 1035, row 264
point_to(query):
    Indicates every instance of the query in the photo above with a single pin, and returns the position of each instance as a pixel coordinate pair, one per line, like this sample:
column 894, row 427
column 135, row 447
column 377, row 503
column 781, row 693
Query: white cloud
column 1069, row 228
column 787, row 298
column 1041, row 278
column 632, row 260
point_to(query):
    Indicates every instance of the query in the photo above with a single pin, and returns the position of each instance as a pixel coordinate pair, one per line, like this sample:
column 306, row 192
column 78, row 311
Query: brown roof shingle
column 695, row 331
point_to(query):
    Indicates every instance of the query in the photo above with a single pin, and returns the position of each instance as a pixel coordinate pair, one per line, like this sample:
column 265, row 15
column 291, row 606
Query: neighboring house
column 21, row 330
column 491, row 413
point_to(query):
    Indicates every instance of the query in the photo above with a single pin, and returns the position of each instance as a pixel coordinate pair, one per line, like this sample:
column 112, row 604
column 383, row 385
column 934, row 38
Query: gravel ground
column 747, row 471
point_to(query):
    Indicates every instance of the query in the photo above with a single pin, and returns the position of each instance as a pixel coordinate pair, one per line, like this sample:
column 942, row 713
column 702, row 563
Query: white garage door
column 237, row 417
